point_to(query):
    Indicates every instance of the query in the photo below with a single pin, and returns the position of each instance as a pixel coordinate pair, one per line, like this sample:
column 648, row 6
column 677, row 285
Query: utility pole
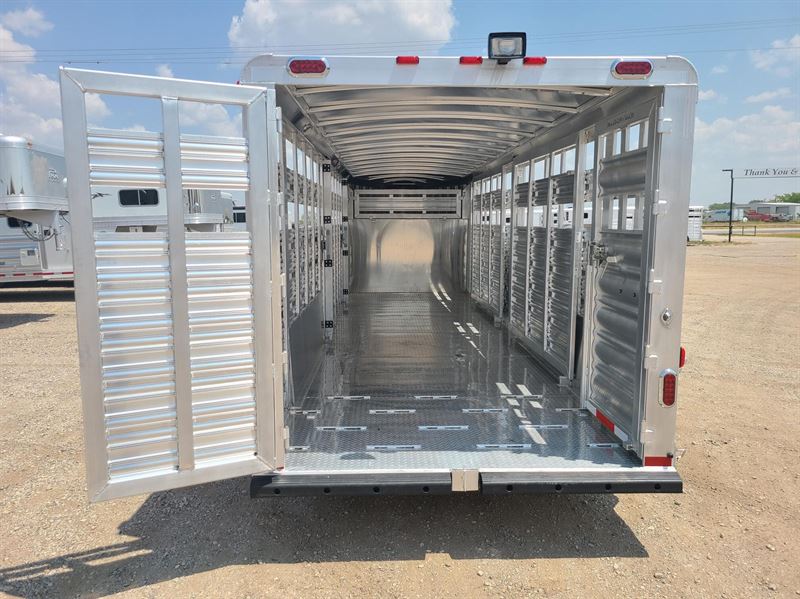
column 730, row 206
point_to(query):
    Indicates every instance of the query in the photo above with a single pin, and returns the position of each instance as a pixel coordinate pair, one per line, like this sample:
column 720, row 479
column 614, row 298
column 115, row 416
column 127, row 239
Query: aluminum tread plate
column 411, row 351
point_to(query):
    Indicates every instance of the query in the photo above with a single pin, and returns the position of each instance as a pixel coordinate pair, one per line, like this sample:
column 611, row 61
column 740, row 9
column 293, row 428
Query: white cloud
column 30, row 103
column 783, row 59
column 342, row 26
column 719, row 69
column 164, row 70
column 707, row 94
column 28, row 22
column 211, row 119
column 769, row 96
column 770, row 136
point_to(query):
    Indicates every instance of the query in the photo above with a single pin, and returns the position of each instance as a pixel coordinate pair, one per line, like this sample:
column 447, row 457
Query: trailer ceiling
column 428, row 135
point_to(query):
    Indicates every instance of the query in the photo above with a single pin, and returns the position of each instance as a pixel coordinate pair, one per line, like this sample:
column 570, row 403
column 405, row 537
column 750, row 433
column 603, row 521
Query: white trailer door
column 179, row 333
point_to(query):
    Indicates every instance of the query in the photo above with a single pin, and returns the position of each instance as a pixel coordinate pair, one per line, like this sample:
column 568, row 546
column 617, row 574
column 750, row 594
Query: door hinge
column 654, row 285
column 650, row 360
column 660, row 204
column 664, row 124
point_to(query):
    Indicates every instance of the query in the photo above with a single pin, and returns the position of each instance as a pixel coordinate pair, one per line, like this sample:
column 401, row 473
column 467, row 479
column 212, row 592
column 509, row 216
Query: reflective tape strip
column 606, row 422
column 657, row 460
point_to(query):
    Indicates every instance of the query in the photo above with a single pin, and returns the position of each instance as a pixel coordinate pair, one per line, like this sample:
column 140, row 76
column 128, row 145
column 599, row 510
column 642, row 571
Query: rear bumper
column 638, row 480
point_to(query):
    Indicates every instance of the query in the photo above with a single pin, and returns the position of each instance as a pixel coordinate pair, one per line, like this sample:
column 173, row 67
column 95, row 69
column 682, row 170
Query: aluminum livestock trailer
column 407, row 311
column 34, row 228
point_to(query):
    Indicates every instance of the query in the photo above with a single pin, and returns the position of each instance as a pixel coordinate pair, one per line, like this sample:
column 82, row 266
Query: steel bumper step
column 624, row 480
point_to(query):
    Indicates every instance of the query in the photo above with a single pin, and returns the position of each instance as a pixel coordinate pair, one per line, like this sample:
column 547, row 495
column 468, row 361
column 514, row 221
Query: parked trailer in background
column 405, row 220
column 695, row 231
column 34, row 226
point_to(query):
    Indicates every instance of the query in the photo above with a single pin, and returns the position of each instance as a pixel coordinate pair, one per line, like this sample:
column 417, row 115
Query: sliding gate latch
column 465, row 480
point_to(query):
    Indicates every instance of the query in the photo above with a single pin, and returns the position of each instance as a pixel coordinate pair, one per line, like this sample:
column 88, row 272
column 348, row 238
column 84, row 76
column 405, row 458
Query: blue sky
column 747, row 55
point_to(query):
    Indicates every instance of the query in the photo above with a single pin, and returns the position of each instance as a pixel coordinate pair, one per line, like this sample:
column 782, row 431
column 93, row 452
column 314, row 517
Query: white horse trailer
column 34, row 227
column 400, row 314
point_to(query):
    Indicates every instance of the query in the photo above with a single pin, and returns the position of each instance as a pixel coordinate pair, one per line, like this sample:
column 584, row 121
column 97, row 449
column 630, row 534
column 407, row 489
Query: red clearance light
column 682, row 359
column 633, row 69
column 471, row 60
column 535, row 60
column 668, row 390
column 407, row 60
column 308, row 66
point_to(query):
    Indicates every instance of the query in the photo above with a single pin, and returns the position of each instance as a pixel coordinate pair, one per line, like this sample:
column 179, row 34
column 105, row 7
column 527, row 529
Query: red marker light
column 633, row 69
column 407, row 60
column 682, row 359
column 308, row 66
column 669, row 386
column 534, row 60
column 471, row 60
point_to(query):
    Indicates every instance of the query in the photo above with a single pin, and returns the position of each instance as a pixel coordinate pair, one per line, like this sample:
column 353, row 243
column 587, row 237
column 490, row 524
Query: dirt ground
column 735, row 532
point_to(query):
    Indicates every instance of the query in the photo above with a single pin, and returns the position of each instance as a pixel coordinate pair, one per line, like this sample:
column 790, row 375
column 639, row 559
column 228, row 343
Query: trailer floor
column 424, row 381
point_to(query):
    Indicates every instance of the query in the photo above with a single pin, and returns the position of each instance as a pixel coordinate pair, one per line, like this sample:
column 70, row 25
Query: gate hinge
column 465, row 480
column 327, row 324
column 326, row 167
column 646, row 435
column 664, row 124
column 345, row 252
column 660, row 204
column 650, row 360
column 345, row 291
column 328, row 263
column 326, row 220
column 654, row 285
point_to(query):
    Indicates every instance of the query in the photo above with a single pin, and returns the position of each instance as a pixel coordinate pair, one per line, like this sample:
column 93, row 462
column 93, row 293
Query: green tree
column 719, row 206
column 791, row 198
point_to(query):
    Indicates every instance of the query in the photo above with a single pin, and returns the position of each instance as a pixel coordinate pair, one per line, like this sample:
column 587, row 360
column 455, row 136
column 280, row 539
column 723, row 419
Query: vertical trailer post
column 328, row 291
column 345, row 232
column 730, row 205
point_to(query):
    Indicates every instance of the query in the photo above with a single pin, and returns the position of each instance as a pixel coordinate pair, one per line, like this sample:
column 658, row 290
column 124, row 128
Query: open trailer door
column 179, row 332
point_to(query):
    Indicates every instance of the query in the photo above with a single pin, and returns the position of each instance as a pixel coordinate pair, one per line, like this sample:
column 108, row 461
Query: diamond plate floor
column 426, row 381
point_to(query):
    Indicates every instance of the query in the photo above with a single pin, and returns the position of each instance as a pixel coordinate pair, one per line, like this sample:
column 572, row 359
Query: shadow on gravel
column 36, row 292
column 179, row 533
column 8, row 321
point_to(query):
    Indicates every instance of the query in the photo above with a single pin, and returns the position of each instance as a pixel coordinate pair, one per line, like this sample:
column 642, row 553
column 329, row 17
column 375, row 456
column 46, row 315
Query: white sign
column 745, row 173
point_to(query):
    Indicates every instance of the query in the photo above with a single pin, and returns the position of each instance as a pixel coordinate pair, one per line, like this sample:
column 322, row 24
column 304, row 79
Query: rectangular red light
column 633, row 69
column 682, row 359
column 535, row 60
column 471, row 60
column 407, row 60
column 657, row 460
column 308, row 66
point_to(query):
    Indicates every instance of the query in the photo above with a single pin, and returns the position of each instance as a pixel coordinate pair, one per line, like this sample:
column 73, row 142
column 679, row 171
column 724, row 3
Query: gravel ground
column 735, row 532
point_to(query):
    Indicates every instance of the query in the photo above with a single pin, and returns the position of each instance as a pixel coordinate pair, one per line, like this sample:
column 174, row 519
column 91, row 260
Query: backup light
column 504, row 47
